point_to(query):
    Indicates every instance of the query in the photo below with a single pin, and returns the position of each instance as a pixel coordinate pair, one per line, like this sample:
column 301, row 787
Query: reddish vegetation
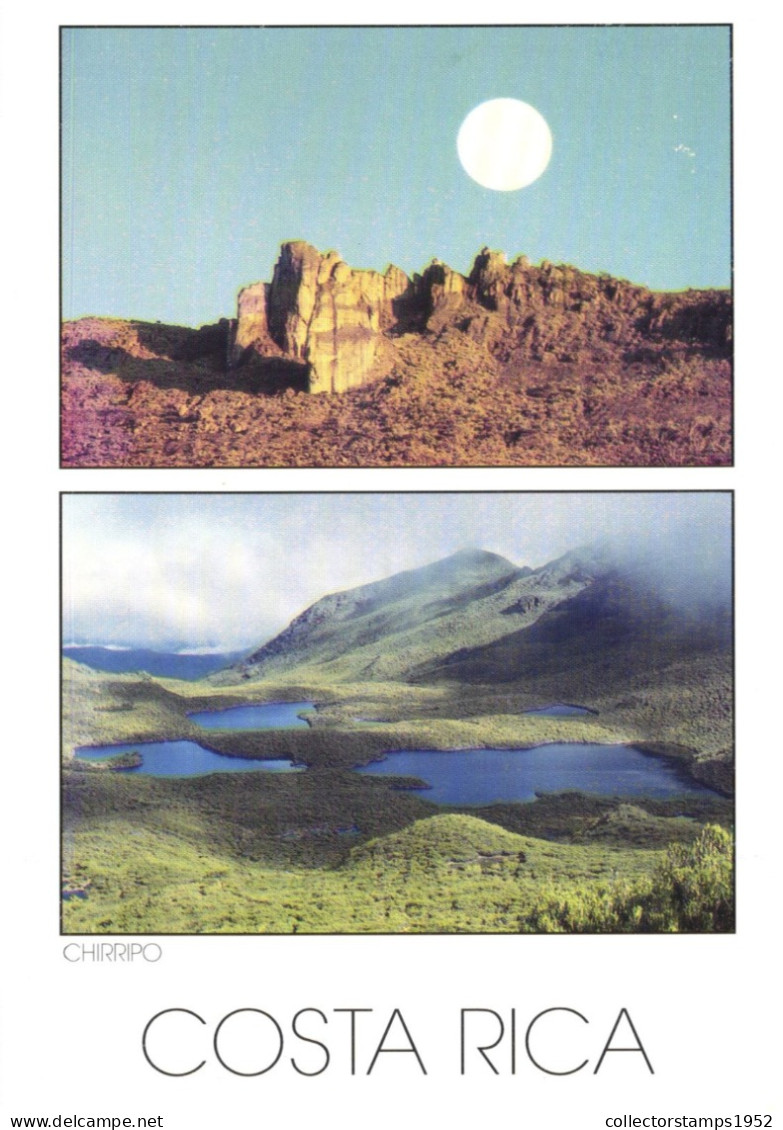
column 520, row 366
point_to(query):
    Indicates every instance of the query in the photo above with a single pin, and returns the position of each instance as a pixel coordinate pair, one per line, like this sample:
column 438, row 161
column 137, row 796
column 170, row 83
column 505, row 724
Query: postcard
column 381, row 451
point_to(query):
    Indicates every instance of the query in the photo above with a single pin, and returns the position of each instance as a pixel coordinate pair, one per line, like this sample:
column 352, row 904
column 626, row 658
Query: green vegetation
column 451, row 658
column 691, row 890
column 330, row 851
column 132, row 759
column 165, row 868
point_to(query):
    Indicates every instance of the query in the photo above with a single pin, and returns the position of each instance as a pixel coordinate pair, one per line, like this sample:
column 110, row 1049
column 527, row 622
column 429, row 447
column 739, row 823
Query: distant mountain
column 165, row 664
column 474, row 617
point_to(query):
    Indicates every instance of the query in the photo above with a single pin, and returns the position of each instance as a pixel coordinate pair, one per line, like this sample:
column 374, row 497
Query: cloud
column 212, row 571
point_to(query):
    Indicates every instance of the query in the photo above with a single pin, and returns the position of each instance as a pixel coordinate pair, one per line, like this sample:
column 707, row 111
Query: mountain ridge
column 512, row 364
column 336, row 319
column 476, row 617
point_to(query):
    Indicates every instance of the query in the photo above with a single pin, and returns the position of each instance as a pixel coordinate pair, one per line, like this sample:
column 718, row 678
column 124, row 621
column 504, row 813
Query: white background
column 705, row 1008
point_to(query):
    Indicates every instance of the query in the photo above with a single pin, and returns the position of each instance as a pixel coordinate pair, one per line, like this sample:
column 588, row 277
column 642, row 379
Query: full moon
column 504, row 144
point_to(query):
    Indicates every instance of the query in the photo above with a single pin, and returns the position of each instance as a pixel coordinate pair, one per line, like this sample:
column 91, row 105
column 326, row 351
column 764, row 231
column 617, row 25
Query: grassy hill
column 443, row 873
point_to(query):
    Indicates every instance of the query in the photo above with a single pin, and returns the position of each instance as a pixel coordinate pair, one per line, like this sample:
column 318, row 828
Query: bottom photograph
column 397, row 713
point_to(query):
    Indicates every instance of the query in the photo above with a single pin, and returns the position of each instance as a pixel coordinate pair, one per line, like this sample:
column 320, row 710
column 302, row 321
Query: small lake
column 189, row 759
column 261, row 716
column 488, row 776
column 559, row 710
column 185, row 759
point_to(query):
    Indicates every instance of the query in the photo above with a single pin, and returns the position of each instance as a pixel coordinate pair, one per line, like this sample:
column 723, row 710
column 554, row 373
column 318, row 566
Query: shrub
column 693, row 889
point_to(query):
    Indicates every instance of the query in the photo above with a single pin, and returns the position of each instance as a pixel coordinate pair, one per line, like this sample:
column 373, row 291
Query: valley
column 459, row 655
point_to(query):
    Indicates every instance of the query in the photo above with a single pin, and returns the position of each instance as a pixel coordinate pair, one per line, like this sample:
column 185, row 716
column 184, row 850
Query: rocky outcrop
column 350, row 311
column 335, row 319
column 439, row 294
column 252, row 325
column 557, row 313
column 320, row 311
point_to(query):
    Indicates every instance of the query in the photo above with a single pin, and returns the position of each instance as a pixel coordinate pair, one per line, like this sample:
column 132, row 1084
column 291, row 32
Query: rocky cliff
column 319, row 311
column 510, row 364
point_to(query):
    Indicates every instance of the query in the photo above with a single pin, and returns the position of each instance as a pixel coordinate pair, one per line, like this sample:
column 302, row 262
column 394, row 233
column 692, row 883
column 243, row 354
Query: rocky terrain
column 326, row 365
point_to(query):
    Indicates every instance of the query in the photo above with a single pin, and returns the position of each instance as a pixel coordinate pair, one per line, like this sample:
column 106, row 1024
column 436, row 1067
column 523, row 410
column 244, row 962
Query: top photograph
column 396, row 246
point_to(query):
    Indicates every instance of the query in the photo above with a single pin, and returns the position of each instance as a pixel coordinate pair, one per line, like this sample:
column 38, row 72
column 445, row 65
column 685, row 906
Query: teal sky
column 189, row 155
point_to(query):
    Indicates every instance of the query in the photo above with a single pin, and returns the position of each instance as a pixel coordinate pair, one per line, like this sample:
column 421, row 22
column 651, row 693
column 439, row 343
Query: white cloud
column 210, row 571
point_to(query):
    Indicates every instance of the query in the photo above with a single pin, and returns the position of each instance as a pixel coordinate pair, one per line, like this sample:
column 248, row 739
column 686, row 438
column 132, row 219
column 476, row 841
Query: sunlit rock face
column 319, row 310
column 333, row 318
column 350, row 311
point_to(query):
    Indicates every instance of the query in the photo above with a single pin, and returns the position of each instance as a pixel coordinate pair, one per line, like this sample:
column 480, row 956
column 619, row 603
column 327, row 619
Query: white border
column 705, row 1007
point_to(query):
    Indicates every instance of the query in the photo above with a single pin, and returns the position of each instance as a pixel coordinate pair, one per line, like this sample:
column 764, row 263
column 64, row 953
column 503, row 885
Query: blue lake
column 487, row 776
column 184, row 759
column 559, row 710
column 261, row 716
column 189, row 759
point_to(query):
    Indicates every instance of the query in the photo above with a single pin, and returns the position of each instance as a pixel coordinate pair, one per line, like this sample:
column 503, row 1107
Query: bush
column 691, row 891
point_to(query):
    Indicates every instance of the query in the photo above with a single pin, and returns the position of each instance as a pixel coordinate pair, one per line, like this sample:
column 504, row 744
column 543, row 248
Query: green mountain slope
column 585, row 621
column 393, row 628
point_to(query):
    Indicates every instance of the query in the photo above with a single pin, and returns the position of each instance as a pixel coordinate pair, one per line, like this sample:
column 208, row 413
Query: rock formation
column 252, row 326
column 510, row 364
column 320, row 311
column 334, row 319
